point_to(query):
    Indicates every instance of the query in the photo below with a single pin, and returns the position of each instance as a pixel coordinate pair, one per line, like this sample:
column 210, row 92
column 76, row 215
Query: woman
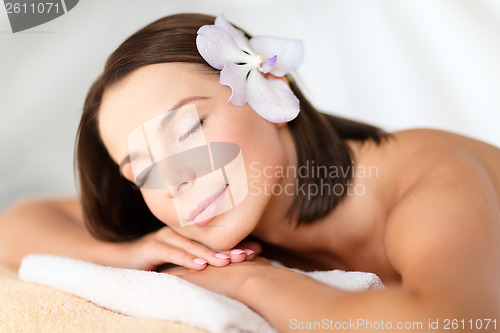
column 419, row 208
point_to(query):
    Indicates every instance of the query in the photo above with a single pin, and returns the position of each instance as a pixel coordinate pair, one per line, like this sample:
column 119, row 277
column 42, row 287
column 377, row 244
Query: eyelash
column 143, row 177
column 192, row 131
column 140, row 181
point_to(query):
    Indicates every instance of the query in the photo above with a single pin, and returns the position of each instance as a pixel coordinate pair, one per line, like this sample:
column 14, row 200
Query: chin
column 226, row 230
column 223, row 234
column 223, row 247
column 224, row 240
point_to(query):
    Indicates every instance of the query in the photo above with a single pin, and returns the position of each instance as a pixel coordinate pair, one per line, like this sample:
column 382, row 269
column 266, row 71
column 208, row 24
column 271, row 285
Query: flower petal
column 290, row 52
column 272, row 99
column 238, row 36
column 267, row 65
column 217, row 47
column 235, row 76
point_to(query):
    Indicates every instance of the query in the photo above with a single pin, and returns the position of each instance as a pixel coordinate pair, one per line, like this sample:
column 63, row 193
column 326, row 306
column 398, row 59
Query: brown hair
column 114, row 209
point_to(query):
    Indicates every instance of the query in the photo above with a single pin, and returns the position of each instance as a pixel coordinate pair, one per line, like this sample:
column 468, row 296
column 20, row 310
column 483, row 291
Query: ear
column 278, row 125
column 270, row 76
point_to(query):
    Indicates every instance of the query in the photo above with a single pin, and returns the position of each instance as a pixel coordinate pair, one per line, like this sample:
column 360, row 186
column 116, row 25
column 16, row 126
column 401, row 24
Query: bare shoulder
column 417, row 153
column 432, row 141
column 71, row 207
column 439, row 141
column 444, row 227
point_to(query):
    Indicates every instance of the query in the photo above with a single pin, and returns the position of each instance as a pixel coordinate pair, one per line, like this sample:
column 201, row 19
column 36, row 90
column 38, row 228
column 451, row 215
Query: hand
column 223, row 280
column 167, row 246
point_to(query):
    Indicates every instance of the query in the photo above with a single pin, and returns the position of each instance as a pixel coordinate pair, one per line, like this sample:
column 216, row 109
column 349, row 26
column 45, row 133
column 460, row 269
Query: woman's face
column 148, row 93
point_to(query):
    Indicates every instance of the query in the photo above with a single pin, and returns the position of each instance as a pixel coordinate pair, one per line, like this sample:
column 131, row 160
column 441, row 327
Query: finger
column 251, row 249
column 238, row 255
column 161, row 253
column 214, row 258
column 250, row 254
column 251, row 245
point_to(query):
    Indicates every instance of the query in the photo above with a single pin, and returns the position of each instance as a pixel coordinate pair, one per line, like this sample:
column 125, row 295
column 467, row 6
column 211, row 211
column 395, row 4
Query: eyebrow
column 166, row 119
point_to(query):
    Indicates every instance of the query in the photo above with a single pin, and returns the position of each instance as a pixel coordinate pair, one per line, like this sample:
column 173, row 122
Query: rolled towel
column 153, row 295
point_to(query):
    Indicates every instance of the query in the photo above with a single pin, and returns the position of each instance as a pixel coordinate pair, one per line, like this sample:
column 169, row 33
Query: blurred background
column 396, row 64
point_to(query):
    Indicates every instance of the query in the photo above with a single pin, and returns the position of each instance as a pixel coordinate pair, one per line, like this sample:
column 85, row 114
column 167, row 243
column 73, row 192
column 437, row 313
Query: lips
column 207, row 208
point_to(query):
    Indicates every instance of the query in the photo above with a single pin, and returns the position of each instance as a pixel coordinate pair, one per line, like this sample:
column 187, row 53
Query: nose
column 174, row 191
column 181, row 185
column 177, row 189
column 181, row 180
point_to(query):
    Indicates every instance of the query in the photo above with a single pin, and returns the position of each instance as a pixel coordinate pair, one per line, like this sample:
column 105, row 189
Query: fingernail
column 199, row 261
column 222, row 256
column 249, row 252
column 237, row 251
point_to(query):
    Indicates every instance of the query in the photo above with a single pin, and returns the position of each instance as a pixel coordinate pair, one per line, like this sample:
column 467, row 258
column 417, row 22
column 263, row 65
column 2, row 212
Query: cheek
column 260, row 143
column 161, row 206
column 257, row 138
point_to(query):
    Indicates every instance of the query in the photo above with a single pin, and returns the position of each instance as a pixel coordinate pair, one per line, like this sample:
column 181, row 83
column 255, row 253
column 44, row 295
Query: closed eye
column 143, row 176
column 193, row 130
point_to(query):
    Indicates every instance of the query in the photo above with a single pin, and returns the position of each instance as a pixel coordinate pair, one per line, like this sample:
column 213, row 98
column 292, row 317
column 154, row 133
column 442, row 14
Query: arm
column 57, row 227
column 52, row 227
column 442, row 237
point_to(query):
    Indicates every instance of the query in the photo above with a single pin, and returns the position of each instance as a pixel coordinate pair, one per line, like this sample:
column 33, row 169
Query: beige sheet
column 27, row 307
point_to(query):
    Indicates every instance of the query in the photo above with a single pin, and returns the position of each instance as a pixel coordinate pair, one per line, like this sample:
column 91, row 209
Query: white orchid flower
column 243, row 62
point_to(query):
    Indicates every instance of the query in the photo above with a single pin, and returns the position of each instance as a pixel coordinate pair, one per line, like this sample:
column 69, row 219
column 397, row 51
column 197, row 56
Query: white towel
column 153, row 295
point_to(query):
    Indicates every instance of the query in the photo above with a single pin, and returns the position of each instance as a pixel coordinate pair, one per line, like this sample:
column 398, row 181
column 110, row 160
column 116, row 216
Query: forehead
column 145, row 93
